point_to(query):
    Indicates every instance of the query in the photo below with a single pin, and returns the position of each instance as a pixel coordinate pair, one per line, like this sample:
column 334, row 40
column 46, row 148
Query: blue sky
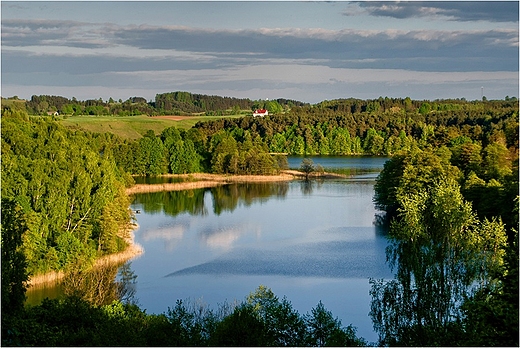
column 308, row 51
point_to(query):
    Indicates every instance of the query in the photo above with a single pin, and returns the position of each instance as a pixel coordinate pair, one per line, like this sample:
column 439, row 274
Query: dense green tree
column 14, row 265
column 241, row 329
column 66, row 184
column 325, row 330
column 284, row 324
column 222, row 160
column 496, row 161
column 491, row 315
column 410, row 173
column 278, row 143
column 298, row 146
column 307, row 167
column 150, row 158
column 184, row 158
column 373, row 143
column 467, row 157
column 439, row 250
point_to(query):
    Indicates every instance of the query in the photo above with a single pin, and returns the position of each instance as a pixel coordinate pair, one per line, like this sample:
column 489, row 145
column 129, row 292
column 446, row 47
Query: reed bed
column 41, row 279
column 203, row 180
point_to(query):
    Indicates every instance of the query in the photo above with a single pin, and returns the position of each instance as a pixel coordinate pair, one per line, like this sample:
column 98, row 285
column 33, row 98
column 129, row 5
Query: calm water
column 307, row 241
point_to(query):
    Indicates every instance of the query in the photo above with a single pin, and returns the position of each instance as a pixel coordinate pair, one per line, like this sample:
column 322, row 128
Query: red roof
column 261, row 111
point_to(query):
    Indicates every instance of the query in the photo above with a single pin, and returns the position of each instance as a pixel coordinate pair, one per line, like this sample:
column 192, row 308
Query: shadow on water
column 382, row 224
column 333, row 259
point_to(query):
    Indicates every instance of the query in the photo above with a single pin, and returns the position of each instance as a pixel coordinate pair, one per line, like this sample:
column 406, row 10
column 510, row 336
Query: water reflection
column 306, row 187
column 349, row 166
column 228, row 197
column 225, row 198
column 101, row 285
column 221, row 239
column 172, row 202
column 37, row 293
column 309, row 241
column 170, row 234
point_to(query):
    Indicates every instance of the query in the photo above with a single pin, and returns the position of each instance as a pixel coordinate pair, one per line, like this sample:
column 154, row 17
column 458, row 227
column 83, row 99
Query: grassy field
column 133, row 127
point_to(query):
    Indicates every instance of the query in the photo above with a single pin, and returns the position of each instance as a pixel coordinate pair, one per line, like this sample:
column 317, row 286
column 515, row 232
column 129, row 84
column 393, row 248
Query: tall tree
column 439, row 250
column 14, row 264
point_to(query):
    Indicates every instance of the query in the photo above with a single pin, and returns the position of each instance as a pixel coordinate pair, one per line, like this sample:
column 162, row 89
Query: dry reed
column 203, row 180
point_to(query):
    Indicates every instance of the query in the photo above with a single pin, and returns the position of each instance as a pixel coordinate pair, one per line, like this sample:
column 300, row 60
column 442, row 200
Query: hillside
column 173, row 103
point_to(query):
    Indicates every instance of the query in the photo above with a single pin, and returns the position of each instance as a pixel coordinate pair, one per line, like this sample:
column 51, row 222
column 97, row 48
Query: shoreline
column 195, row 181
column 131, row 251
column 207, row 180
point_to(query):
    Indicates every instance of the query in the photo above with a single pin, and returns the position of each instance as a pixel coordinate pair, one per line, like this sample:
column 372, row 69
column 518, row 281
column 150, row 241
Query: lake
column 308, row 241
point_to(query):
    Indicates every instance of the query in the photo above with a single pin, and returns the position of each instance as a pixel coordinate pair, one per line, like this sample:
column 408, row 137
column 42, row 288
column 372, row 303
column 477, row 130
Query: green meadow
column 133, row 127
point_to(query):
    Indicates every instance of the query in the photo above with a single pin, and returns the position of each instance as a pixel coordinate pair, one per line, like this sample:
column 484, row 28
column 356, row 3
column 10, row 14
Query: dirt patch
column 173, row 118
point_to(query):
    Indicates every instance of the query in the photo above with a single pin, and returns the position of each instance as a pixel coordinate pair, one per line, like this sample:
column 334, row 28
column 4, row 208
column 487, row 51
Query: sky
column 306, row 51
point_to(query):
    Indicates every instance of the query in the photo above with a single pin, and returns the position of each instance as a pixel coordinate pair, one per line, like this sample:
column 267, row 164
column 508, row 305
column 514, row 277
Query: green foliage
column 150, row 158
column 241, row 329
column 373, row 143
column 439, row 250
column 285, row 326
column 64, row 202
column 307, row 167
column 246, row 157
column 425, row 108
column 442, row 252
column 409, row 173
column 326, row 331
column 262, row 320
column 69, row 190
column 422, row 122
column 491, row 315
column 45, row 104
column 467, row 157
column 180, row 103
column 360, row 127
column 14, row 272
column 70, row 250
column 497, row 161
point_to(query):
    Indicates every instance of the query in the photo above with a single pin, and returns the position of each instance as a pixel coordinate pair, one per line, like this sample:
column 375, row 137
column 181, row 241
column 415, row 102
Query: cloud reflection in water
column 172, row 235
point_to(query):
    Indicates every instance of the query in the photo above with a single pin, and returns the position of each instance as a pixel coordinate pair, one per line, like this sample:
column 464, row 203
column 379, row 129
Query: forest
column 173, row 103
column 449, row 191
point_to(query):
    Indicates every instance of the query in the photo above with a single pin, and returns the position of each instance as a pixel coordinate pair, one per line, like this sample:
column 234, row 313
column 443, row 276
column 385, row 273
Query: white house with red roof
column 260, row 112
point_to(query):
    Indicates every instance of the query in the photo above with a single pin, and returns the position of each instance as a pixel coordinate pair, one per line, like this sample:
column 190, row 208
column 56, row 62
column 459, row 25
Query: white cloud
column 308, row 63
column 292, row 72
